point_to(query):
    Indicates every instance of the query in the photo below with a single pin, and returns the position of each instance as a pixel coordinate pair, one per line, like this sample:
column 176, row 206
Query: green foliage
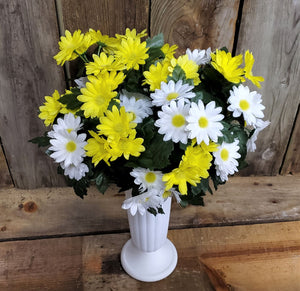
column 70, row 99
column 41, row 141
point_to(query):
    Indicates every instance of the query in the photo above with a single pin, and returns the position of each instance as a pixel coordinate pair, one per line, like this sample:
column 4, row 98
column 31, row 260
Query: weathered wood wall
column 30, row 31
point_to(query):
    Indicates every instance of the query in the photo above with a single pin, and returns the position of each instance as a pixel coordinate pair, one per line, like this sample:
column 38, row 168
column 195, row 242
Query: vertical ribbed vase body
column 149, row 232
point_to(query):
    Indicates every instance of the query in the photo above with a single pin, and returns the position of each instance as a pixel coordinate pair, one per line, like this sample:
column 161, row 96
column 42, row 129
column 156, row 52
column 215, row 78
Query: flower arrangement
column 149, row 121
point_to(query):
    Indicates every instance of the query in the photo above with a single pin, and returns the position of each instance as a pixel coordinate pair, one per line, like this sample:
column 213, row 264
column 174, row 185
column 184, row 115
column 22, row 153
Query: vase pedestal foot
column 149, row 266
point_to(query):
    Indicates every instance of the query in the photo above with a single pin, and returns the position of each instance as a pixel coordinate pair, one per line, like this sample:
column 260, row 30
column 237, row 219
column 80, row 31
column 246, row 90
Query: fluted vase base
column 149, row 266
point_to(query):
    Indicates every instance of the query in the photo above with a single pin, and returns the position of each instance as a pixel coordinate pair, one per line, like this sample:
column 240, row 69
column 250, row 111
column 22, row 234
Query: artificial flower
column 226, row 159
column 98, row 149
column 157, row 73
column 50, row 109
column 68, row 147
column 247, row 103
column 72, row 46
column 204, row 122
column 189, row 67
column 69, row 123
column 249, row 61
column 132, row 53
column 80, row 82
column 96, row 97
column 140, row 108
column 116, row 124
column 172, row 121
column 260, row 125
column 170, row 91
column 228, row 66
column 147, row 179
column 127, row 146
column 200, row 57
column 75, row 172
column 169, row 51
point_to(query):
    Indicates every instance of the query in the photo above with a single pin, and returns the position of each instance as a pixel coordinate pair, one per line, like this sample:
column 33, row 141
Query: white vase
column 149, row 256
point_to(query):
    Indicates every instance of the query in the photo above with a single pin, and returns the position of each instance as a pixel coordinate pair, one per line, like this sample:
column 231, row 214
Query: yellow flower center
column 118, row 127
column 172, row 96
column 150, row 177
column 244, row 104
column 178, row 120
column 71, row 146
column 224, row 154
column 203, row 122
column 69, row 130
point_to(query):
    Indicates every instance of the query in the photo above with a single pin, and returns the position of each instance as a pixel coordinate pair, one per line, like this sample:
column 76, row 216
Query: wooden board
column 108, row 16
column 28, row 73
column 291, row 163
column 254, row 257
column 195, row 24
column 271, row 31
column 58, row 211
column 5, row 178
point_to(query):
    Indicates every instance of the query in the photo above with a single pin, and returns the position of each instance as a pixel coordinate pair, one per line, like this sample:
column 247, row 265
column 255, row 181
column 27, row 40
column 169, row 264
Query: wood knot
column 3, row 228
column 30, row 206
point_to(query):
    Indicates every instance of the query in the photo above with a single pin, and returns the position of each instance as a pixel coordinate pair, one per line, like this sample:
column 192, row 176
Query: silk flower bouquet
column 148, row 121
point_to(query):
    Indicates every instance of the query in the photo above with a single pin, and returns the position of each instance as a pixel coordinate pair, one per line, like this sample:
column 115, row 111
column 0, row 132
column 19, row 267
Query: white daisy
column 68, row 148
column 147, row 179
column 242, row 101
column 172, row 121
column 170, row 91
column 75, row 172
column 200, row 57
column 226, row 159
column 142, row 202
column 260, row 125
column 141, row 108
column 204, row 122
column 80, row 82
column 69, row 123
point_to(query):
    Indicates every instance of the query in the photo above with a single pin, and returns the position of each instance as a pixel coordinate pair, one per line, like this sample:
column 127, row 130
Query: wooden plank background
column 47, row 212
column 30, row 32
column 262, row 257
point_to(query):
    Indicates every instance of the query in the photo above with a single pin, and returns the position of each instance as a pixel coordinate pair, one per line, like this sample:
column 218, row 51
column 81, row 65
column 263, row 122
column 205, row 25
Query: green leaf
column 155, row 42
column 152, row 211
column 41, row 141
column 70, row 99
column 80, row 187
column 157, row 154
column 102, row 182
column 177, row 74
column 201, row 187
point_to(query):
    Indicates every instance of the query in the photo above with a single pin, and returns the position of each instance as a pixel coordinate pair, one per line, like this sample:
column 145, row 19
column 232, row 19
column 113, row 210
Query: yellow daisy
column 228, row 66
column 71, row 46
column 249, row 61
column 132, row 53
column 96, row 97
column 132, row 34
column 188, row 66
column 50, row 109
column 157, row 73
column 116, row 124
column 98, row 149
column 129, row 146
column 169, row 51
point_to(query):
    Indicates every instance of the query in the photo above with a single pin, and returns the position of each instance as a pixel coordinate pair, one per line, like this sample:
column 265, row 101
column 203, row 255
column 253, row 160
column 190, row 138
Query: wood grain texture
column 27, row 73
column 195, row 24
column 291, row 163
column 58, row 211
column 271, row 31
column 5, row 178
column 108, row 16
column 253, row 257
